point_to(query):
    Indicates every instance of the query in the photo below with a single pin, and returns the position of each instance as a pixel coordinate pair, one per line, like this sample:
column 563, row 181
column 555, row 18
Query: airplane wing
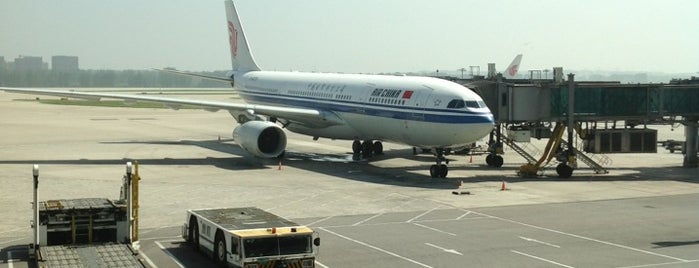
column 215, row 78
column 309, row 117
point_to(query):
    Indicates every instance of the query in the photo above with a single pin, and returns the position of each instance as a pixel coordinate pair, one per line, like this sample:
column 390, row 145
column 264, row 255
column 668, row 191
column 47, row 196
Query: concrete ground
column 386, row 211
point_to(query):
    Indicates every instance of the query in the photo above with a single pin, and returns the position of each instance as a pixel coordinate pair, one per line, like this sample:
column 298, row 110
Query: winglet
column 241, row 56
column 511, row 70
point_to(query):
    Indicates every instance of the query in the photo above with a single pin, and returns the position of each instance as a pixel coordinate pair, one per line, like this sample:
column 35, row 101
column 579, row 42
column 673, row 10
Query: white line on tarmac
column 377, row 248
column 12, row 231
column 292, row 202
column 321, row 265
column 659, row 264
column 584, row 237
column 434, row 229
column 452, row 251
column 161, row 238
column 156, row 229
column 168, row 253
column 321, row 220
column 148, row 260
column 10, row 241
column 368, row 219
column 541, row 259
column 540, row 242
column 423, row 214
column 464, row 215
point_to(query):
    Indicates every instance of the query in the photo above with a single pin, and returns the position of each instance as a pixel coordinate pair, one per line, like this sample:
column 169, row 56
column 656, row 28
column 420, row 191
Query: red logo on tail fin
column 233, row 38
column 513, row 70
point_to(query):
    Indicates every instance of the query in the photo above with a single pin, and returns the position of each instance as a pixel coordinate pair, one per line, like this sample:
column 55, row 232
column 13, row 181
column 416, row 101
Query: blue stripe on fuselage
column 381, row 110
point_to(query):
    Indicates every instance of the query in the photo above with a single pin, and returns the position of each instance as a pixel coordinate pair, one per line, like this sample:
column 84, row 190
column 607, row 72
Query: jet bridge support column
column 690, row 133
column 570, row 153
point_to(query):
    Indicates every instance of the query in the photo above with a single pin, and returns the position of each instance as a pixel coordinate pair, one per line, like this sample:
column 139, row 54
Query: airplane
column 513, row 68
column 422, row 112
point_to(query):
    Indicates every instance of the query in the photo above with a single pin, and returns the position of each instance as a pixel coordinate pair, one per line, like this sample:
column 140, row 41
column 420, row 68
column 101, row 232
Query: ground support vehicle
column 250, row 238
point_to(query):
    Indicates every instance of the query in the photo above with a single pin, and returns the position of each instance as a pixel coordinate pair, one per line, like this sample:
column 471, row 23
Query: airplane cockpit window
column 472, row 104
column 456, row 104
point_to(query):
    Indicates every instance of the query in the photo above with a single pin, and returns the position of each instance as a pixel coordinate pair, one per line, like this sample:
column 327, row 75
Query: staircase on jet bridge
column 599, row 169
column 525, row 151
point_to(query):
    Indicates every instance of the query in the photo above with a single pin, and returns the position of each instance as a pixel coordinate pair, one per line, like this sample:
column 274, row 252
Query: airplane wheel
column 443, row 170
column 559, row 167
column 497, row 161
column 434, row 171
column 220, row 249
column 489, row 160
column 367, row 149
column 564, row 171
column 356, row 157
column 356, row 147
column 194, row 234
column 378, row 148
column 414, row 151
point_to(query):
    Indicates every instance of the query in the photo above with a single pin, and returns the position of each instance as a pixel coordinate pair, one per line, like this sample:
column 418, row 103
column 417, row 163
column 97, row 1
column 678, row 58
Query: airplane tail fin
column 512, row 70
column 241, row 56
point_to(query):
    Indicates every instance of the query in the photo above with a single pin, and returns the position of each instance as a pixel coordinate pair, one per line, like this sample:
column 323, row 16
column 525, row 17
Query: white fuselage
column 417, row 111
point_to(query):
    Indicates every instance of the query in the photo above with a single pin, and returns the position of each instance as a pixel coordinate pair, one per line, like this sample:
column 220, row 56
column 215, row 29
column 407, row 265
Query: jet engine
column 261, row 138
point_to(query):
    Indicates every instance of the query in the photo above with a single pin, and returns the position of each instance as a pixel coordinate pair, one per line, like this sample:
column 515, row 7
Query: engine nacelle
column 261, row 138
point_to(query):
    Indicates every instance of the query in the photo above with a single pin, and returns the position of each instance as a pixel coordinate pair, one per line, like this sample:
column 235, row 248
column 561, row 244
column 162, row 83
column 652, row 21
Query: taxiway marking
column 377, row 248
column 540, row 242
column 541, row 259
column 452, row 251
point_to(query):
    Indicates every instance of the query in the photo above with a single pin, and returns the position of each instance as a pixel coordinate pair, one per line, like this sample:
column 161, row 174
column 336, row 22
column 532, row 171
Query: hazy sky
column 359, row 35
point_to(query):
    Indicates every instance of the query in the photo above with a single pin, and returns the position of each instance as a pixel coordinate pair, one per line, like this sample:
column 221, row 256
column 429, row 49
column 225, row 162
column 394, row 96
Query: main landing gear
column 366, row 149
column 439, row 170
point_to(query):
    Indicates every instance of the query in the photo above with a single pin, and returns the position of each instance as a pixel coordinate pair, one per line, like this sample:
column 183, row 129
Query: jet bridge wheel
column 564, row 171
column 494, row 160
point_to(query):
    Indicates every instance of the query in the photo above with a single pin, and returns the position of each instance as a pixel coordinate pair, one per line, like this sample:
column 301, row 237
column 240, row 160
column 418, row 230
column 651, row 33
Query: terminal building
column 64, row 63
column 27, row 63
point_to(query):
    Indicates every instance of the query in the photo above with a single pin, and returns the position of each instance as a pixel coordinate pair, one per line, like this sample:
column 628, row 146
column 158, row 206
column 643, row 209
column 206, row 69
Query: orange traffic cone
column 503, row 187
column 470, row 160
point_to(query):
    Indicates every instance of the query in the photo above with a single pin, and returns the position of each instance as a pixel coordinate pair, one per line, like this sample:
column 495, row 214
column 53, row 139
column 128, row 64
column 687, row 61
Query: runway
column 384, row 212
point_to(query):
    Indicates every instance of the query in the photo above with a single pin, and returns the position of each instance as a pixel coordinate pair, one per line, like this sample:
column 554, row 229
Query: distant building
column 28, row 63
column 64, row 63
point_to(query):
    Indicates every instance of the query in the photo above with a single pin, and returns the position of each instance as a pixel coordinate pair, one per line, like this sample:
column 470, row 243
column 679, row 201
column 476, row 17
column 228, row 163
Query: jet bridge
column 609, row 117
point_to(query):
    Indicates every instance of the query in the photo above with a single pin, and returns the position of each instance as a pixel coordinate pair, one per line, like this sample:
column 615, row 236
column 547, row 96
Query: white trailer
column 250, row 238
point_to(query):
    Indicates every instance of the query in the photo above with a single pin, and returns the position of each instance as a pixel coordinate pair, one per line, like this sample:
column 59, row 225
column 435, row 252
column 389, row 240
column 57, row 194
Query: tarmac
column 385, row 211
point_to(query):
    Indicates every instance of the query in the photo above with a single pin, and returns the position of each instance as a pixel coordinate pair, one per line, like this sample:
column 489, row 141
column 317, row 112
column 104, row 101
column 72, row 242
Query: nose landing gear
column 439, row 170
